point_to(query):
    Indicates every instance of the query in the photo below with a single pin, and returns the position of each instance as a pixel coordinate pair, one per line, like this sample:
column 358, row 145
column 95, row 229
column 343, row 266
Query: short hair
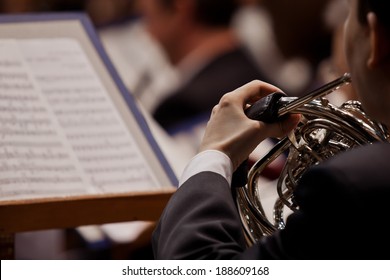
column 211, row 12
column 380, row 7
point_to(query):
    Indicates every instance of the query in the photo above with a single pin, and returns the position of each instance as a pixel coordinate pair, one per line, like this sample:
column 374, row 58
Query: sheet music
column 59, row 131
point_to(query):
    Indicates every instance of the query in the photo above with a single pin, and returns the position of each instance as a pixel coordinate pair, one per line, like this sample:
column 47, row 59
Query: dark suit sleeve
column 201, row 222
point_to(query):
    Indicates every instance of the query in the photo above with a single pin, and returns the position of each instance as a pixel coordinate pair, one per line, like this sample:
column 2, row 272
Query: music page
column 60, row 133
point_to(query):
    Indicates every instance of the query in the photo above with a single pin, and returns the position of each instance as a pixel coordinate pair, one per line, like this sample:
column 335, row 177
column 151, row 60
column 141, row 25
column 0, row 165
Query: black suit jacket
column 202, row 92
column 343, row 214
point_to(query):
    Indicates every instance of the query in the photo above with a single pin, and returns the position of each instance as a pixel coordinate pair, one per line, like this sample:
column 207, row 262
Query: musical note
column 59, row 126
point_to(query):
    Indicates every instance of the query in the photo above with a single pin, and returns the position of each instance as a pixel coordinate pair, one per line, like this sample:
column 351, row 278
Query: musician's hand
column 230, row 131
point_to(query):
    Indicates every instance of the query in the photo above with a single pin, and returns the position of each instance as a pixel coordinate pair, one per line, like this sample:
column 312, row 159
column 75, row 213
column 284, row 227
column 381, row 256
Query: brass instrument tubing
column 317, row 93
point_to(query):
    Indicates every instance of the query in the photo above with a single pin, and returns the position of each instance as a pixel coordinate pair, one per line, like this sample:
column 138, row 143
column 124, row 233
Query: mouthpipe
column 273, row 106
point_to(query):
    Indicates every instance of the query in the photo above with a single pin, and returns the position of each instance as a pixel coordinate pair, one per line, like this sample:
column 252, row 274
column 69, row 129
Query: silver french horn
column 324, row 131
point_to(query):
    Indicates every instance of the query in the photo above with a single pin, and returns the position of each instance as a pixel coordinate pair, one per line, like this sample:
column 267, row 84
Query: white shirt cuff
column 210, row 160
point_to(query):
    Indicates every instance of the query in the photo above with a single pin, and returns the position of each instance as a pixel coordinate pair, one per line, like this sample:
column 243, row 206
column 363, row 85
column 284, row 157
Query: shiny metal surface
column 324, row 131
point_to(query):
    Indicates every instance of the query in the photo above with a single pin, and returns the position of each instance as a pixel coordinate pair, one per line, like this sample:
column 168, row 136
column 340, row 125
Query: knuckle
column 256, row 83
column 215, row 109
column 226, row 100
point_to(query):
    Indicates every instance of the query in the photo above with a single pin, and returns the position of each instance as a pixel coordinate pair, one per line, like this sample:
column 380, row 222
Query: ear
column 379, row 42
